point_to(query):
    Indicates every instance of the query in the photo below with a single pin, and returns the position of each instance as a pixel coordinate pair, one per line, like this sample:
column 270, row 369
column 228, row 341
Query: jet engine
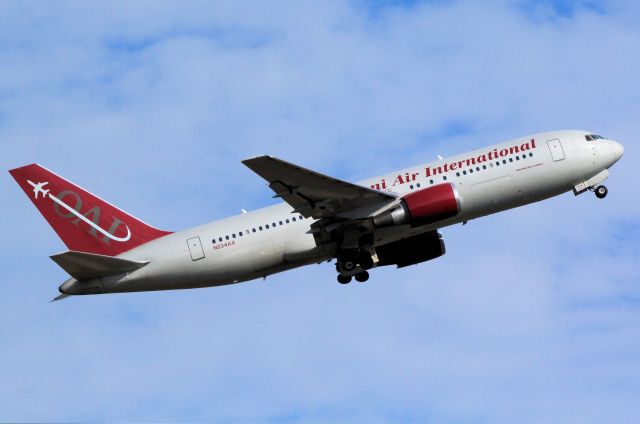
column 412, row 250
column 422, row 207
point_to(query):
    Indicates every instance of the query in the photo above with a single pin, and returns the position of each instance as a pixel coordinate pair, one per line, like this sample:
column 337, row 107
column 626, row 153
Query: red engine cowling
column 422, row 207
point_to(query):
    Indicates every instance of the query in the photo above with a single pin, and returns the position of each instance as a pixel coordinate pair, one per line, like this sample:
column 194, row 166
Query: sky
column 532, row 316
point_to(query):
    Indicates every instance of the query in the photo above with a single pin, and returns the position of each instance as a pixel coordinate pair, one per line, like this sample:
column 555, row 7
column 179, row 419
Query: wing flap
column 311, row 193
column 82, row 266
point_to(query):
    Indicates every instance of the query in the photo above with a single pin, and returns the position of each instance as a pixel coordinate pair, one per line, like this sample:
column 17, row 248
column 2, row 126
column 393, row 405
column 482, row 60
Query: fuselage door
column 557, row 153
column 195, row 248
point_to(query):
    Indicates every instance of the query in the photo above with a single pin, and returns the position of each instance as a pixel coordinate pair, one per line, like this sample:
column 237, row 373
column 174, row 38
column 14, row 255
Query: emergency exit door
column 557, row 153
column 195, row 248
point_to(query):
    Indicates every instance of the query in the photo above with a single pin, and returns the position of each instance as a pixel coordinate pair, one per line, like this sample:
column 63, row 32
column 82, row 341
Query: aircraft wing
column 310, row 193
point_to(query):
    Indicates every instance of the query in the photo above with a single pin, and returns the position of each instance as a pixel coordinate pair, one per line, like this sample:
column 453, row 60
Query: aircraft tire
column 363, row 276
column 601, row 192
column 348, row 265
column 344, row 279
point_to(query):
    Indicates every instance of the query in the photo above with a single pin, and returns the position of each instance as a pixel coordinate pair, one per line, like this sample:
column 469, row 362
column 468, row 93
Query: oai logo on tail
column 39, row 188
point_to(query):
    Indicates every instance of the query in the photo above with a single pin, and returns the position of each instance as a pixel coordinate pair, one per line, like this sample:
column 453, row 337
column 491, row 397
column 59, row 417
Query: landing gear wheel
column 344, row 279
column 601, row 192
column 347, row 262
column 348, row 265
column 363, row 276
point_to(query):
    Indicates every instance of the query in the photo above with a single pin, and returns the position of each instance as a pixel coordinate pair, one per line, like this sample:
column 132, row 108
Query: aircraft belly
column 262, row 255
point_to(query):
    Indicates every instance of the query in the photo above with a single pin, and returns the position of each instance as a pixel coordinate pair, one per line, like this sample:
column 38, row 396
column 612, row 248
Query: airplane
column 392, row 219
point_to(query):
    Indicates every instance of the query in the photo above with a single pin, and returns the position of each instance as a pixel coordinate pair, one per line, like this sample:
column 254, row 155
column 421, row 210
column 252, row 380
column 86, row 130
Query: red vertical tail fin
column 83, row 221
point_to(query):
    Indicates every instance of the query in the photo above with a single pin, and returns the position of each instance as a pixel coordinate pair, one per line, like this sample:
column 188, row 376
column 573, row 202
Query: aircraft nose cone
column 618, row 150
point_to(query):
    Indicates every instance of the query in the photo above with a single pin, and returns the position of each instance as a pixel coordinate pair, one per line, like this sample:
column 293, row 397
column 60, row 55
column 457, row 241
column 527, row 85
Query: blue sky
column 533, row 315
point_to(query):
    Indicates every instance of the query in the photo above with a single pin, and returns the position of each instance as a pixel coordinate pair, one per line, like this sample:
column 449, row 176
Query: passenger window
column 464, row 172
column 267, row 226
column 484, row 166
column 431, row 181
column 510, row 159
column 498, row 163
column 411, row 186
column 477, row 168
column 517, row 157
column 418, row 185
column 293, row 219
column 226, row 237
column 286, row 220
column 253, row 229
column 471, row 171
column 233, row 235
column 240, row 233
column 524, row 156
column 530, row 155
column 280, row 222
column 260, row 228
column 444, row 178
column 457, row 174
column 504, row 161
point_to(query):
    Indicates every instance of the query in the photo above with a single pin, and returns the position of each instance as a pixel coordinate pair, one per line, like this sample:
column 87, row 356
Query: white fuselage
column 269, row 240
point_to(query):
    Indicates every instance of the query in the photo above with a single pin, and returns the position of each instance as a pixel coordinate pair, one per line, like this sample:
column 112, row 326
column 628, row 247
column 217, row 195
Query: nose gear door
column 557, row 152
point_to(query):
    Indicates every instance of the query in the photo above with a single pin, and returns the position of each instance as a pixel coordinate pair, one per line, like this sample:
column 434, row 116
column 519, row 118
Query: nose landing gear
column 601, row 192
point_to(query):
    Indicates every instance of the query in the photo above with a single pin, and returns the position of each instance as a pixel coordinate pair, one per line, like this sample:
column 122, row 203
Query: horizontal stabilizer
column 82, row 266
column 59, row 298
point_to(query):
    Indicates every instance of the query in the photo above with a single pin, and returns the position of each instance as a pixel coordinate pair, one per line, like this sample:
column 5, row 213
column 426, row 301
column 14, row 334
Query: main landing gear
column 353, row 263
column 361, row 277
column 601, row 192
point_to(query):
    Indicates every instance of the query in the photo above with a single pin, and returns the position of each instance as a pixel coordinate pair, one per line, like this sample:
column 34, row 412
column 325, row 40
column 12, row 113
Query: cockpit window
column 593, row 137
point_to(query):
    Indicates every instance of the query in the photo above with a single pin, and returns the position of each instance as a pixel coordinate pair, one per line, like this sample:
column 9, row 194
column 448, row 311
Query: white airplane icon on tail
column 38, row 188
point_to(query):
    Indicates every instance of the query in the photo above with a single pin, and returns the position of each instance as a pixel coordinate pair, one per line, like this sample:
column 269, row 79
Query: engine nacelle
column 422, row 207
column 412, row 250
